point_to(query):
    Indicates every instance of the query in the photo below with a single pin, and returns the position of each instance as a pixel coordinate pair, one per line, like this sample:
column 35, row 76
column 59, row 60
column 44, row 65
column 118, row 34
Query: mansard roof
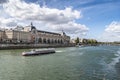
column 48, row 32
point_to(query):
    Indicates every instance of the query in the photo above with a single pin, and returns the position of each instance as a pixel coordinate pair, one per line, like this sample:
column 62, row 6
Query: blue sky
column 99, row 19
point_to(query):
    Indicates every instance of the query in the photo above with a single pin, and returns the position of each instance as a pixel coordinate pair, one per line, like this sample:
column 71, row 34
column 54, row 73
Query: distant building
column 29, row 34
column 45, row 37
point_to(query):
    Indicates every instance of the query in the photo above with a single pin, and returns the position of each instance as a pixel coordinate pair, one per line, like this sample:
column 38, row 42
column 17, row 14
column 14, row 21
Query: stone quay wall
column 25, row 46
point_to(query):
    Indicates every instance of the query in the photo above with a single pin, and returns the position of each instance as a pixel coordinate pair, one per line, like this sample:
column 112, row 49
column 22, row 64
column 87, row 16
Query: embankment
column 25, row 46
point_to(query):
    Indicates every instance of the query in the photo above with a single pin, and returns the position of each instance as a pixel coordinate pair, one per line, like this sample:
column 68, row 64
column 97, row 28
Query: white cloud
column 7, row 22
column 113, row 27
column 71, row 27
column 53, row 19
column 31, row 11
column 112, row 32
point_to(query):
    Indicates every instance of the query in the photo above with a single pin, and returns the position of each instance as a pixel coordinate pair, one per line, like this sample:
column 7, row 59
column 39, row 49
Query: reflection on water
column 84, row 63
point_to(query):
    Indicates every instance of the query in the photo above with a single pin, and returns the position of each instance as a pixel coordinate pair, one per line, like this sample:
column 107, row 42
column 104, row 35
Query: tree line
column 85, row 41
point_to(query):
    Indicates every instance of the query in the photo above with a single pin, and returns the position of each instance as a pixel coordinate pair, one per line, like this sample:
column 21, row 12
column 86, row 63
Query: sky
column 95, row 19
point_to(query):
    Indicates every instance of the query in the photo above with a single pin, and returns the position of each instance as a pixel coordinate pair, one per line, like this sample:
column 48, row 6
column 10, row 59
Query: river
column 72, row 63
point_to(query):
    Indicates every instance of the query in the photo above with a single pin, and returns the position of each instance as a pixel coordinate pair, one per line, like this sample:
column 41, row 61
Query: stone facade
column 17, row 36
column 30, row 34
column 45, row 37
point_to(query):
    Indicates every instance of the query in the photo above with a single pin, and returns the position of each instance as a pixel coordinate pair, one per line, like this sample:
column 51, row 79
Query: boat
column 38, row 52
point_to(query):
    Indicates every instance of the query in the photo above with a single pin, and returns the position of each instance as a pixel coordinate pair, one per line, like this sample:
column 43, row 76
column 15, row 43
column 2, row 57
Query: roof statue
column 32, row 27
column 63, row 33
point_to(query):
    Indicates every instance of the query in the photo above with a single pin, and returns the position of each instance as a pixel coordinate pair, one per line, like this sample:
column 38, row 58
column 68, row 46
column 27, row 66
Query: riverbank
column 27, row 46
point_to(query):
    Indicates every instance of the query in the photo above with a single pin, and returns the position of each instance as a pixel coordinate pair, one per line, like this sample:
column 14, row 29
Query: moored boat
column 38, row 52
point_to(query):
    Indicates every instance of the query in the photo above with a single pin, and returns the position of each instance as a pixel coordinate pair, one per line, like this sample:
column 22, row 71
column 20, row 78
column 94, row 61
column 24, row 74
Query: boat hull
column 43, row 52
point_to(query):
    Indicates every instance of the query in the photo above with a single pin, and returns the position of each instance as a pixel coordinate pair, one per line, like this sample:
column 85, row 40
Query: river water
column 73, row 63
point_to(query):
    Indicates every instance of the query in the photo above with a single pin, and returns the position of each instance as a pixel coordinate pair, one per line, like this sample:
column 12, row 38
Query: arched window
column 40, row 40
column 55, row 41
column 48, row 41
column 44, row 40
column 61, row 41
column 58, row 41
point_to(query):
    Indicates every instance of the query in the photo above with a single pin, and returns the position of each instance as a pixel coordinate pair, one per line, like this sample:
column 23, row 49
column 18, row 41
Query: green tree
column 77, row 40
column 92, row 41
